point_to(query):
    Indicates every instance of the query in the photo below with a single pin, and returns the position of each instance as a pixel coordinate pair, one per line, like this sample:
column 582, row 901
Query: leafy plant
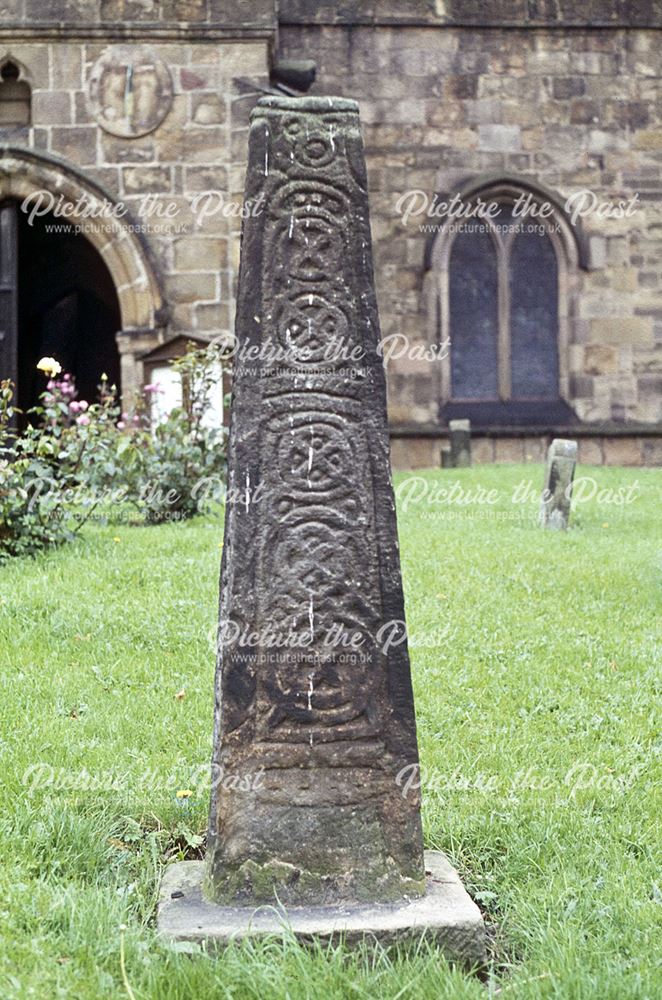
column 166, row 459
column 51, row 474
column 74, row 457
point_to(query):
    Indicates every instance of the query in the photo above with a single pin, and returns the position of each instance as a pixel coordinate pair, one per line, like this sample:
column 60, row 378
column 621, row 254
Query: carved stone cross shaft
column 307, row 694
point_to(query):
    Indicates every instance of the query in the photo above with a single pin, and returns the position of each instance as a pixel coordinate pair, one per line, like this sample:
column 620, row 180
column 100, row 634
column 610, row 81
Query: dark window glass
column 474, row 321
column 533, row 317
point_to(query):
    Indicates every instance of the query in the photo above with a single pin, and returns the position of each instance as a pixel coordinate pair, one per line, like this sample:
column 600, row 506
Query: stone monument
column 557, row 492
column 313, row 688
column 458, row 454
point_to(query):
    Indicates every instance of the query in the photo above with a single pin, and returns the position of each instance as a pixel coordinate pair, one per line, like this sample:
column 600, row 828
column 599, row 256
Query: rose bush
column 164, row 458
column 42, row 468
column 74, row 458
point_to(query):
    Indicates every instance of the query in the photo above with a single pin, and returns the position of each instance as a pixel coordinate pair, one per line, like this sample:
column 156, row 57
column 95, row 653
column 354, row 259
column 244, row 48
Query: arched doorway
column 65, row 305
column 112, row 249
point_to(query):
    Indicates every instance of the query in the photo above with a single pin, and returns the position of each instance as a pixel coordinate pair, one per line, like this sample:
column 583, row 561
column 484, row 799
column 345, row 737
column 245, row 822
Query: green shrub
column 51, row 472
column 75, row 459
column 165, row 462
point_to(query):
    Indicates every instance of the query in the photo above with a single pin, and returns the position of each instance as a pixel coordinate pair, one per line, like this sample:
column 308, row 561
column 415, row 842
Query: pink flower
column 152, row 387
column 75, row 407
column 83, row 420
column 121, row 425
column 83, row 405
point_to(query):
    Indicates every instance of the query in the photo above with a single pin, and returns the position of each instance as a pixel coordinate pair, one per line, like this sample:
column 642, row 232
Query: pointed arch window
column 504, row 312
column 15, row 97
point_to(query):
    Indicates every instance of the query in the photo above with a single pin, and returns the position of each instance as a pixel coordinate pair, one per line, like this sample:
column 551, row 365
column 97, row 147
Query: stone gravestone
column 460, row 438
column 458, row 454
column 557, row 491
column 314, row 719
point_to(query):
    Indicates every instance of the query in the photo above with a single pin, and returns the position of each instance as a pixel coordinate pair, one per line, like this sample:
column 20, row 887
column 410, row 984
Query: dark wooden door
column 8, row 292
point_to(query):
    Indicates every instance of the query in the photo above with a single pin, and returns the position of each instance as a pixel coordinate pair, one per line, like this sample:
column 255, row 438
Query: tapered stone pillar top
column 314, row 701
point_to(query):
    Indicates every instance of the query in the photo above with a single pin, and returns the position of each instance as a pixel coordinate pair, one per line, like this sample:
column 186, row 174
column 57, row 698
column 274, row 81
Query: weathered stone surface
column 622, row 451
column 590, row 452
column 130, row 90
column 628, row 330
column 519, row 78
column 446, row 915
column 483, row 450
column 180, row 16
column 557, row 491
column 308, row 696
column 458, row 454
column 416, row 453
column 436, row 98
column 508, row 450
column 78, row 142
column 251, row 13
column 460, row 443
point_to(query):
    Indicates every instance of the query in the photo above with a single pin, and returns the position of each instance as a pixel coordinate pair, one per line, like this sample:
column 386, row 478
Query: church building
column 514, row 155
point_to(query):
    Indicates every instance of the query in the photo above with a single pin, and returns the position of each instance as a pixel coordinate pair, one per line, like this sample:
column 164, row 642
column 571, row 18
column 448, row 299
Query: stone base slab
column 446, row 914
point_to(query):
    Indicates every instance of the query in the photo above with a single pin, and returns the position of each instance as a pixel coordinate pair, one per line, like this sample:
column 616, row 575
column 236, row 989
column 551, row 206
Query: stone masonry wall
column 129, row 16
column 200, row 146
column 570, row 109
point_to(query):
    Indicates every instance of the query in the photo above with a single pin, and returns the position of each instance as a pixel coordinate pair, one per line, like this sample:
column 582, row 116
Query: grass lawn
column 537, row 707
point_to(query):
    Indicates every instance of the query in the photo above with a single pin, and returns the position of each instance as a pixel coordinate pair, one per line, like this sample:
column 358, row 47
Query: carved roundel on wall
column 130, row 90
